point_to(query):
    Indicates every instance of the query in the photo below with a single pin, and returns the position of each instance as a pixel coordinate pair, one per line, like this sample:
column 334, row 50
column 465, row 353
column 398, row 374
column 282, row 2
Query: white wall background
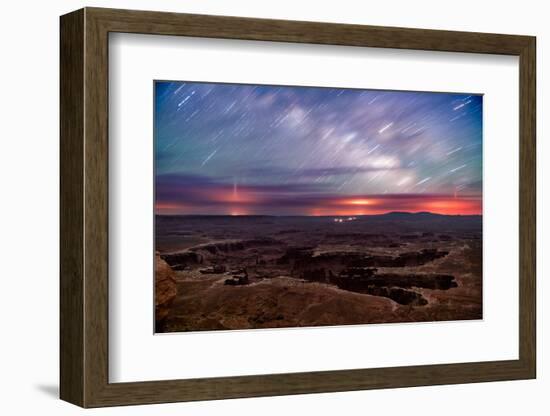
column 29, row 209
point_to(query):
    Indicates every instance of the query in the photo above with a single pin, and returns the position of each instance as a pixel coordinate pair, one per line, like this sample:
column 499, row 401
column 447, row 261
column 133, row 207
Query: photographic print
column 292, row 206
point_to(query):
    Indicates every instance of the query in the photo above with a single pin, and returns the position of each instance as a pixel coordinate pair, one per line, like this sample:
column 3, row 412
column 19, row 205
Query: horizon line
column 316, row 216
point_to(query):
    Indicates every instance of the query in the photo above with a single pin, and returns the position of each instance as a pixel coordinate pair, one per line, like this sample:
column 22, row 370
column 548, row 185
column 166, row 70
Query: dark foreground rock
column 390, row 285
column 409, row 259
column 232, row 246
column 165, row 291
column 367, row 276
column 304, row 258
column 215, row 269
column 239, row 278
column 433, row 281
column 237, row 281
column 401, row 296
column 182, row 260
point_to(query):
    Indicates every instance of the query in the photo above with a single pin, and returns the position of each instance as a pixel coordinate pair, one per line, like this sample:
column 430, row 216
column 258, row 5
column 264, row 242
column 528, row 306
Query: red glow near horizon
column 248, row 202
column 360, row 202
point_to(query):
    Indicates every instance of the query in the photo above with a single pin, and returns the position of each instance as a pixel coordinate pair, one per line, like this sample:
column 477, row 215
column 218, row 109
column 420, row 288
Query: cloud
column 275, row 171
column 193, row 194
column 197, row 189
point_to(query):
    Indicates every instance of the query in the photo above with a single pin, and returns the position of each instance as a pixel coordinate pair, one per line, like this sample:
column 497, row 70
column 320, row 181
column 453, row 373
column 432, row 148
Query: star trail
column 235, row 149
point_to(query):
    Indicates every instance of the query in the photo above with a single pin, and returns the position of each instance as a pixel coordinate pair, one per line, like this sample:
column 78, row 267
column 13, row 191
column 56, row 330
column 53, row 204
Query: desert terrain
column 247, row 272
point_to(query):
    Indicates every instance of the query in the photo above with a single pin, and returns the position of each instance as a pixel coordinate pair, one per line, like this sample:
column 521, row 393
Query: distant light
column 360, row 202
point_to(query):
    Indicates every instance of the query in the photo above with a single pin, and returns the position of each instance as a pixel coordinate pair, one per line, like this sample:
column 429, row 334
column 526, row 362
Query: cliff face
column 165, row 291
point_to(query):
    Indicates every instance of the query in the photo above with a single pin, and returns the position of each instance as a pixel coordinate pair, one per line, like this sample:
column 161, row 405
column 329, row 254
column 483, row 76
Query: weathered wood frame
column 84, row 207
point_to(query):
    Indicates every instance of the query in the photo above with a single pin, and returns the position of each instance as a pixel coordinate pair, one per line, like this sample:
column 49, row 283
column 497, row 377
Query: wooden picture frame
column 84, row 207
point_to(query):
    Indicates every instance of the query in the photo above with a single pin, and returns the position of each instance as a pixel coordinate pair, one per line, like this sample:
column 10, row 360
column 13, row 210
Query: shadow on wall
column 49, row 390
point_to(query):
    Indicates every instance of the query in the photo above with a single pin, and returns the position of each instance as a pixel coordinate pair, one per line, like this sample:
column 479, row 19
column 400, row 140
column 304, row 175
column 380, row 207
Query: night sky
column 234, row 149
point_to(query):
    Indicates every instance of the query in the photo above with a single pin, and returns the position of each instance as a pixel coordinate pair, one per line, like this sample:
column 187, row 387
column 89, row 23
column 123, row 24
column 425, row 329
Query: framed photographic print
column 260, row 207
column 295, row 192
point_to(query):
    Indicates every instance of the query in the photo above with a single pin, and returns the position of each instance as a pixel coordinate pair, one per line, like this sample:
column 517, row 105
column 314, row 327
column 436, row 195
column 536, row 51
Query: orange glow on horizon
column 236, row 197
column 453, row 206
column 251, row 202
column 360, row 202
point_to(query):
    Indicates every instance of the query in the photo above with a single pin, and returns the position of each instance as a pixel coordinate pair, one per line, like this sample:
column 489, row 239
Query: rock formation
column 215, row 269
column 238, row 279
column 182, row 260
column 165, row 291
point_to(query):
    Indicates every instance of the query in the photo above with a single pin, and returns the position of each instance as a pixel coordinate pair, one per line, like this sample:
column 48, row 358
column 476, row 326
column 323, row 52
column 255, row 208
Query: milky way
column 279, row 150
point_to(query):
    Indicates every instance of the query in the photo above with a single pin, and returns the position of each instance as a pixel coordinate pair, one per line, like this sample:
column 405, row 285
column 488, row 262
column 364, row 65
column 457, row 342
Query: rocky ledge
column 165, row 291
